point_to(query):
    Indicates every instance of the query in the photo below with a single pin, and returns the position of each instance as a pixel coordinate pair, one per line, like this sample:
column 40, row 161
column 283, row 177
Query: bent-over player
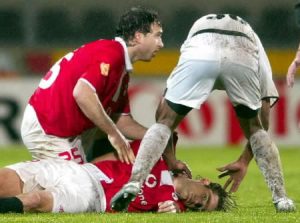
column 221, row 52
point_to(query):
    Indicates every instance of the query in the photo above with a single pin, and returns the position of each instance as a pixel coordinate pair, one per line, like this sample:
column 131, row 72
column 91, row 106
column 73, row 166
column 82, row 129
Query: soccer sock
column 11, row 204
column 151, row 149
column 268, row 160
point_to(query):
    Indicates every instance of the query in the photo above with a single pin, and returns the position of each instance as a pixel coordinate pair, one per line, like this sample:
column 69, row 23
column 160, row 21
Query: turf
column 253, row 197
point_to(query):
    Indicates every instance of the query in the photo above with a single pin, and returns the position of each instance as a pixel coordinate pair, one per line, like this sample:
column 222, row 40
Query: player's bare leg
column 151, row 149
column 38, row 201
column 267, row 158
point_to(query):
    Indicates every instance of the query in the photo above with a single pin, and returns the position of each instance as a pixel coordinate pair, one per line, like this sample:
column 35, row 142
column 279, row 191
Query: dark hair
column 136, row 19
column 226, row 201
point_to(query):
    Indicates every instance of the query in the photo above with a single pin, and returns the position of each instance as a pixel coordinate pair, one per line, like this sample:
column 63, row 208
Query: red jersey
column 158, row 186
column 102, row 65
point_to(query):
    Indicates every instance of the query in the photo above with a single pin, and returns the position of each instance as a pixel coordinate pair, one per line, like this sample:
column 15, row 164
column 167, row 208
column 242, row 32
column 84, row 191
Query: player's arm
column 130, row 128
column 294, row 66
column 105, row 157
column 169, row 156
column 238, row 169
column 90, row 105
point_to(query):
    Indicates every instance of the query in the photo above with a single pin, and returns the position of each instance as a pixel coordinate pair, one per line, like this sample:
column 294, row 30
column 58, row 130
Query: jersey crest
column 104, row 68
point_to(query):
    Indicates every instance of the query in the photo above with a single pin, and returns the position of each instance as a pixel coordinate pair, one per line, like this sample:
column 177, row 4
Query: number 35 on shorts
column 72, row 154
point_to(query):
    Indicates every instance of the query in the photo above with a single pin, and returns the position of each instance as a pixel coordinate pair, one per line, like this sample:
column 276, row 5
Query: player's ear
column 138, row 36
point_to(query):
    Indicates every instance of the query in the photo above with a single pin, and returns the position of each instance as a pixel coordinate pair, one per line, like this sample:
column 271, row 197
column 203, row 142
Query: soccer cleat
column 284, row 205
column 121, row 200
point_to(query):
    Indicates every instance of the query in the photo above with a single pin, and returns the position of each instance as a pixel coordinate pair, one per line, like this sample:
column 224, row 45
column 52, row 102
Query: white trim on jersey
column 88, row 83
column 127, row 58
column 165, row 178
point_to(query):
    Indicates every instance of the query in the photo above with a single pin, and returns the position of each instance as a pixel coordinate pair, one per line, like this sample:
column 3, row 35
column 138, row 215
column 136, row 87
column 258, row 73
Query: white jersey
column 221, row 52
column 221, row 22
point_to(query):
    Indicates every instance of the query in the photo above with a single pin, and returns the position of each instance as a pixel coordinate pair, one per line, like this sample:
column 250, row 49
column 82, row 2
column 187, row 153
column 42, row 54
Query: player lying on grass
column 64, row 186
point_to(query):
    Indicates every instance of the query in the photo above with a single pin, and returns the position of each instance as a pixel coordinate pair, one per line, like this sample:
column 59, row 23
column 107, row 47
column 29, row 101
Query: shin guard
column 151, row 149
column 268, row 160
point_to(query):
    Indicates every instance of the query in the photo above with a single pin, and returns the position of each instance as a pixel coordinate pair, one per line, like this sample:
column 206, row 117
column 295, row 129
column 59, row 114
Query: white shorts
column 207, row 63
column 72, row 187
column 42, row 146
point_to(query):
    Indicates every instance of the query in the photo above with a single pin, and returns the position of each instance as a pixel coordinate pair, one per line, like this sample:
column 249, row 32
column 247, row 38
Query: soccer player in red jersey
column 61, row 186
column 87, row 88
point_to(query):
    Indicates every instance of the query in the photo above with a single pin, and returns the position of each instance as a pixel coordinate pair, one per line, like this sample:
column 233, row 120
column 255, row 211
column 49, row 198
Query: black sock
column 11, row 204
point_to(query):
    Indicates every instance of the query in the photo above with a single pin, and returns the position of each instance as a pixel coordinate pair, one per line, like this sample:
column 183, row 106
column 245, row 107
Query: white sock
column 151, row 149
column 268, row 160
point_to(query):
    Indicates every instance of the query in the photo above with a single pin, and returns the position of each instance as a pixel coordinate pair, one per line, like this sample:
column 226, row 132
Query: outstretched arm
column 238, row 169
column 294, row 66
column 169, row 157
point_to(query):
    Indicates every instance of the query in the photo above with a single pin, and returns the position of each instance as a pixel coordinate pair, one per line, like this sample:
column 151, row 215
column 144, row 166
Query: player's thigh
column 74, row 194
column 191, row 82
column 36, row 175
column 242, row 85
column 10, row 183
column 250, row 125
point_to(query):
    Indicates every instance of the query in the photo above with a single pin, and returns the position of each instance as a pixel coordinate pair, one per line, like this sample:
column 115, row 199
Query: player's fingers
column 126, row 156
column 227, row 183
column 131, row 156
column 188, row 172
column 126, row 150
column 235, row 186
column 163, row 205
column 120, row 155
column 167, row 207
column 221, row 169
column 226, row 173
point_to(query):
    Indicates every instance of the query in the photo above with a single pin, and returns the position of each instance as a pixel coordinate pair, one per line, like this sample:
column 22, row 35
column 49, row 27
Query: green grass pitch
column 253, row 197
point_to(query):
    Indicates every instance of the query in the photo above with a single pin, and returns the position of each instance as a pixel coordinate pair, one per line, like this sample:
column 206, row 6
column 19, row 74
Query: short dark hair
column 136, row 19
column 226, row 201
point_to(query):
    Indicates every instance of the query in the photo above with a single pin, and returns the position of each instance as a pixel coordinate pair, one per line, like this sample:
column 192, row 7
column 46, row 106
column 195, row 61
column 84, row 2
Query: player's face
column 200, row 197
column 151, row 43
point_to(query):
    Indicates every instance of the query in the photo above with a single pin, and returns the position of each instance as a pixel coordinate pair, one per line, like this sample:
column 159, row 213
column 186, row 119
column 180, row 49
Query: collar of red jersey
column 127, row 59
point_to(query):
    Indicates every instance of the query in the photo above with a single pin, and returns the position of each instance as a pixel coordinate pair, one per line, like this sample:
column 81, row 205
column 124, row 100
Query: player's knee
column 163, row 129
column 259, row 140
column 10, row 183
column 31, row 201
column 245, row 112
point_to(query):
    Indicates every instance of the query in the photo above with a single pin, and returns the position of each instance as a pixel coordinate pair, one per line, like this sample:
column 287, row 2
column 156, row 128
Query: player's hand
column 122, row 147
column 236, row 172
column 168, row 207
column 290, row 77
column 181, row 167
